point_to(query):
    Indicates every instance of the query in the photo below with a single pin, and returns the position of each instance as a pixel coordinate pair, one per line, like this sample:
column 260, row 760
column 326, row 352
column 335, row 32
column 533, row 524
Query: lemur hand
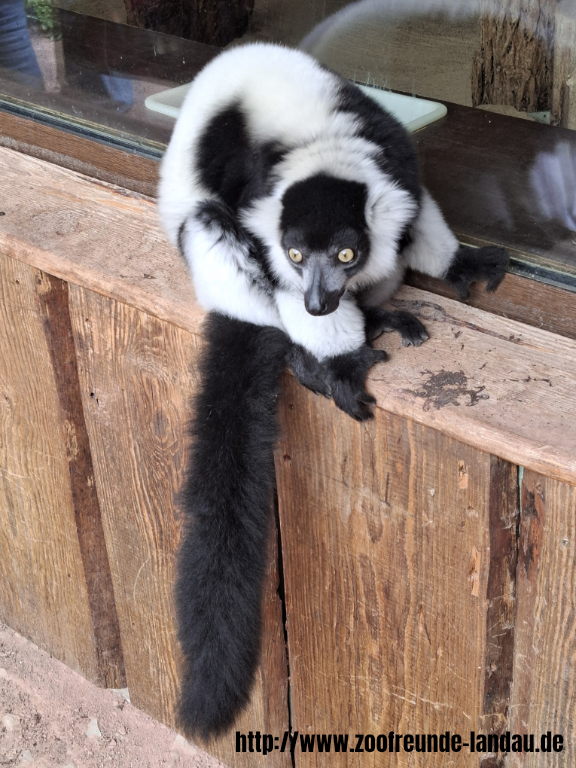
column 382, row 321
column 471, row 264
column 342, row 377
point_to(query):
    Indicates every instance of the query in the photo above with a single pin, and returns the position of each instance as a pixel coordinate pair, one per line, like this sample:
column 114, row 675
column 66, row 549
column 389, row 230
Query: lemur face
column 324, row 237
column 324, row 271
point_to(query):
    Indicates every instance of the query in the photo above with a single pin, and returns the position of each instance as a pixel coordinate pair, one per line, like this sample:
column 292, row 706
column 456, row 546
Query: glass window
column 502, row 162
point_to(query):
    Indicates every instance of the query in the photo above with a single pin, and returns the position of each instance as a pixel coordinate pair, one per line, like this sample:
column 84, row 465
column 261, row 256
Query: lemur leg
column 382, row 321
column 347, row 378
column 342, row 377
column 330, row 355
column 309, row 371
column 435, row 251
column 221, row 257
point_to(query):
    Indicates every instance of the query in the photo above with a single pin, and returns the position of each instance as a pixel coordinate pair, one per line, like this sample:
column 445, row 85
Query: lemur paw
column 472, row 264
column 340, row 377
column 347, row 376
column 382, row 321
column 309, row 371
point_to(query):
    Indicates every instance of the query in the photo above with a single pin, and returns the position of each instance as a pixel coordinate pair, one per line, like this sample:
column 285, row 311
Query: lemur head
column 324, row 236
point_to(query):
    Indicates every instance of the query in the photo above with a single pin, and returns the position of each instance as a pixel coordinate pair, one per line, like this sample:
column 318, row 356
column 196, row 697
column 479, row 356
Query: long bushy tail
column 227, row 498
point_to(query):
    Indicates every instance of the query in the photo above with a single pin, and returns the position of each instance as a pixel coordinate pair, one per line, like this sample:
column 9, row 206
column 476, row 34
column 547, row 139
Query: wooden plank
column 514, row 63
column 93, row 234
column 493, row 383
column 523, row 415
column 43, row 592
column 504, row 515
column 79, row 154
column 386, row 556
column 137, row 378
column 544, row 691
column 517, row 298
column 53, row 300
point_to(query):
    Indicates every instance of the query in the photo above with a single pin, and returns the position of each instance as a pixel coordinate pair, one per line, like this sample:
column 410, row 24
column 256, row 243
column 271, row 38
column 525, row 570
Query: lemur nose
column 318, row 309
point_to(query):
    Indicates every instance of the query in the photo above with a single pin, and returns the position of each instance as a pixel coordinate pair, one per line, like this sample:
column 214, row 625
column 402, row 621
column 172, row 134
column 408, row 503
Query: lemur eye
column 346, row 255
column 295, row 255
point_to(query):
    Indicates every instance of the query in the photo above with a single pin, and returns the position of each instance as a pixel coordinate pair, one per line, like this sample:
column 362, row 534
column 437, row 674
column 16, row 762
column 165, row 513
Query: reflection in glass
column 17, row 56
column 498, row 163
column 553, row 178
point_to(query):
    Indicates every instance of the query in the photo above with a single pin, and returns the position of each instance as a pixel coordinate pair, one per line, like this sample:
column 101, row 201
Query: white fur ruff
column 289, row 99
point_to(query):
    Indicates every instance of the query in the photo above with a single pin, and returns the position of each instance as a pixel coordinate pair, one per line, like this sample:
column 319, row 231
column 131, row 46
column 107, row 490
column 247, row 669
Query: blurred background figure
column 553, row 178
column 16, row 52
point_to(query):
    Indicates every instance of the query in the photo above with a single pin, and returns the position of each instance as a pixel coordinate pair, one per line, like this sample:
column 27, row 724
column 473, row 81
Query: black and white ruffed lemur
column 297, row 203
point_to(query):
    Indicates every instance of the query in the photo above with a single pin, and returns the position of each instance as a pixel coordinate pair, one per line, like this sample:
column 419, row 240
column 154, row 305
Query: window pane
column 502, row 163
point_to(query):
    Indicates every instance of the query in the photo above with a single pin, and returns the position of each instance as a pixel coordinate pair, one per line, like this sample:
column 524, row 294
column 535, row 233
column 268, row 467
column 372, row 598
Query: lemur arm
column 435, row 251
column 330, row 355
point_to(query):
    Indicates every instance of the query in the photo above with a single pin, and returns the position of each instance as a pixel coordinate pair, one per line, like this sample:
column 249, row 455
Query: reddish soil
column 51, row 717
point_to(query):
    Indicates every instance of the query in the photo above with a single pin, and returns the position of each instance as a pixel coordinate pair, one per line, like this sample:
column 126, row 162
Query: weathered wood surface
column 386, row 552
column 544, row 689
column 514, row 63
column 58, row 329
column 137, row 378
column 564, row 91
column 493, row 383
column 92, row 234
column 517, row 298
column 46, row 589
column 76, row 153
column 490, row 382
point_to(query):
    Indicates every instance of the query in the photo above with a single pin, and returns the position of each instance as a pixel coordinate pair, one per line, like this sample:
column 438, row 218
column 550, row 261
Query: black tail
column 227, row 499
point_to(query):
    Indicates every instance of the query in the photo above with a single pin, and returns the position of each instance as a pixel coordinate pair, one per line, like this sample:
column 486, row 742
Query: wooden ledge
column 496, row 384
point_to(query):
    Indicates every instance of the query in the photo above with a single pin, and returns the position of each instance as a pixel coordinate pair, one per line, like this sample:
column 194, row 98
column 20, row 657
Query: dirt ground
column 51, row 717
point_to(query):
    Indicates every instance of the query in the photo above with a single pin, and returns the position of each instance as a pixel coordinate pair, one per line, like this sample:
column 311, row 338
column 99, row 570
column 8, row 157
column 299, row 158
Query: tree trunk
column 215, row 22
column 564, row 100
column 515, row 61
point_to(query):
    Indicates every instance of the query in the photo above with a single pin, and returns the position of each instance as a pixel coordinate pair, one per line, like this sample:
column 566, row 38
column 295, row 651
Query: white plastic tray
column 411, row 111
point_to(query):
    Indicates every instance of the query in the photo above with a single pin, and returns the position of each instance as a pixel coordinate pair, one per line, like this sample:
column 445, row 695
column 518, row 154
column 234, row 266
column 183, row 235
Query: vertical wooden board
column 137, row 378
column 42, row 584
column 544, row 691
column 386, row 554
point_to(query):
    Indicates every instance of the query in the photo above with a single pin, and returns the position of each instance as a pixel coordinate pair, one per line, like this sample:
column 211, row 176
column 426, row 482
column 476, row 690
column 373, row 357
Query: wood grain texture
column 564, row 91
column 517, row 298
column 501, row 595
column 53, row 300
column 137, row 377
column 78, row 154
column 514, row 63
column 524, row 414
column 386, row 562
column 512, row 397
column 544, row 691
column 43, row 592
column 93, row 234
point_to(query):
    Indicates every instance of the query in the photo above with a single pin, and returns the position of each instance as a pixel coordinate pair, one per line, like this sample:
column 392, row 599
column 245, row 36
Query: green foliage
column 42, row 16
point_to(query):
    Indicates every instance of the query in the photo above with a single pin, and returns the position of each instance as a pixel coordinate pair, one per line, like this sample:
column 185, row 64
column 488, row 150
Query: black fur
column 382, row 321
column 471, row 264
column 321, row 205
column 325, row 214
column 213, row 213
column 398, row 156
column 227, row 498
column 231, row 164
column 342, row 378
